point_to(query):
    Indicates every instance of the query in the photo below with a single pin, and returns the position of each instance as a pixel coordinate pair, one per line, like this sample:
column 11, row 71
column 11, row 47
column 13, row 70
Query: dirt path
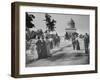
column 64, row 55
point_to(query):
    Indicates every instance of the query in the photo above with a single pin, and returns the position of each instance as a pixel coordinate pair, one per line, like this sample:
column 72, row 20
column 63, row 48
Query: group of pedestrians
column 76, row 44
column 43, row 47
column 39, row 49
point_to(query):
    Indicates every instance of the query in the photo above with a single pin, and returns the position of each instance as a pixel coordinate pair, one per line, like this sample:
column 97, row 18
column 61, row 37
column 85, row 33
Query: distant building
column 70, row 29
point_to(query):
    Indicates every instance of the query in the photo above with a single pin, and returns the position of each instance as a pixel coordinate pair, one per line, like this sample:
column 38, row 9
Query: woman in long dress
column 77, row 44
column 34, row 50
column 48, row 47
column 31, row 52
column 43, row 49
column 38, row 44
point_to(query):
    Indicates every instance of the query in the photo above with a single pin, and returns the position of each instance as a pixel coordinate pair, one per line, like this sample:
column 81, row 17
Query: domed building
column 70, row 29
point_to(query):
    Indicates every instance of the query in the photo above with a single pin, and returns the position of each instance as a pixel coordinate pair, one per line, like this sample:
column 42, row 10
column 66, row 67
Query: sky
column 82, row 22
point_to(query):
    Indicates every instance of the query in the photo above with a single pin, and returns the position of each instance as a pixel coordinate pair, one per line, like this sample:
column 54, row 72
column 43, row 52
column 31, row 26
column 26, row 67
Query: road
column 63, row 55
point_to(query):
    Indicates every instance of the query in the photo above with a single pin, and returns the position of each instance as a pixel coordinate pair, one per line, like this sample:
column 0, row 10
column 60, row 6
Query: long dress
column 43, row 50
column 33, row 49
column 77, row 44
column 34, row 52
column 48, row 47
column 51, row 43
column 38, row 44
column 31, row 53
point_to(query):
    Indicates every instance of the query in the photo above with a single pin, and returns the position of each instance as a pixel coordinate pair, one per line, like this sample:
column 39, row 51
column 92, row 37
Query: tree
column 29, row 18
column 29, row 25
column 50, row 22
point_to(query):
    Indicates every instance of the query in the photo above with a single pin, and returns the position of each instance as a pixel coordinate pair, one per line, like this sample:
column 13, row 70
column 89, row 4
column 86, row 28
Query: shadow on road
column 66, row 56
column 56, row 57
column 61, row 49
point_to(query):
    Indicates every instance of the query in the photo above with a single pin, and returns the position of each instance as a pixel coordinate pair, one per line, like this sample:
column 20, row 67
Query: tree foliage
column 29, row 18
column 50, row 22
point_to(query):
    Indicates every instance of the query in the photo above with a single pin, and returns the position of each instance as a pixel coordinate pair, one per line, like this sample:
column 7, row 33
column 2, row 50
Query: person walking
column 48, row 47
column 34, row 51
column 86, row 43
column 73, row 42
column 58, row 41
column 38, row 44
column 31, row 53
column 43, row 49
column 77, row 44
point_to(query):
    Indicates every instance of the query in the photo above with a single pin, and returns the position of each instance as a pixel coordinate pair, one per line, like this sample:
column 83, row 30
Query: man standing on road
column 86, row 43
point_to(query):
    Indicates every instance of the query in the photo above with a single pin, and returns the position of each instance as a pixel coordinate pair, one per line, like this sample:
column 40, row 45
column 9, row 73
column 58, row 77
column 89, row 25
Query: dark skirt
column 44, row 50
column 78, row 45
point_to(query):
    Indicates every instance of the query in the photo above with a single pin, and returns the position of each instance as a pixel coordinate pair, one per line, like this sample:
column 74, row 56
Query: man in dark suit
column 86, row 43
